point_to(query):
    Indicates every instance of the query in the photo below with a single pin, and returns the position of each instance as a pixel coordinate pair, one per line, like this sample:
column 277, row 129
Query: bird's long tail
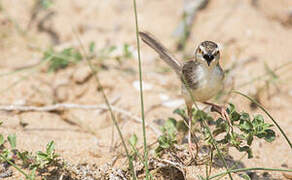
column 162, row 51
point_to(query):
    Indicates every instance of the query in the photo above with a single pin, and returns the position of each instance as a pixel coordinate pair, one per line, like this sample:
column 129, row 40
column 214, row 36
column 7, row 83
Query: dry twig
column 62, row 107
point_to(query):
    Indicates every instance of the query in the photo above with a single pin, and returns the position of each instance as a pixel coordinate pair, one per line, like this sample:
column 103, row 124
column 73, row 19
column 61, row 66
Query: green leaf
column 249, row 139
column 163, row 142
column 201, row 115
column 1, row 139
column 32, row 173
column 270, row 72
column 50, row 148
column 234, row 139
column 231, row 108
column 245, row 116
column 170, row 127
column 258, row 120
column 23, row 156
column 59, row 60
column 46, row 4
column 245, row 176
column 112, row 48
column 180, row 112
column 12, row 140
column 270, row 136
column 245, row 126
column 246, row 149
column 233, row 114
column 42, row 155
column 91, row 47
column 221, row 127
column 127, row 52
column 133, row 140
column 181, row 126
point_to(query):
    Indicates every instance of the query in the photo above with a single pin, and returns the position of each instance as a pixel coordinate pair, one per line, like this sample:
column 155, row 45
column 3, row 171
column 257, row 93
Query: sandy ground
column 250, row 37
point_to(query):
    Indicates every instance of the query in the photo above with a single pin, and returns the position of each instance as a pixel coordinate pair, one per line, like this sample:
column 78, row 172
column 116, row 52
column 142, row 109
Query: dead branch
column 62, row 107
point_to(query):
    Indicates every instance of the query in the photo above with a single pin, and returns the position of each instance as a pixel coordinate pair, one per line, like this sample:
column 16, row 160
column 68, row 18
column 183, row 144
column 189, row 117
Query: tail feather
column 162, row 51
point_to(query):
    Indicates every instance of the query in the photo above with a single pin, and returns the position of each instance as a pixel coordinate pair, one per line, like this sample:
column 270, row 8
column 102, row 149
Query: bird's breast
column 210, row 82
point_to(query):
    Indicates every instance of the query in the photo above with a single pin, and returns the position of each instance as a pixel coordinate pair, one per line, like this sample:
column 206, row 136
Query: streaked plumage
column 202, row 77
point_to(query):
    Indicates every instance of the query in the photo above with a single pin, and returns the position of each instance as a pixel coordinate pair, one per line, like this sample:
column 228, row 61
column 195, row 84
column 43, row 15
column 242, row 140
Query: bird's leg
column 190, row 116
column 221, row 110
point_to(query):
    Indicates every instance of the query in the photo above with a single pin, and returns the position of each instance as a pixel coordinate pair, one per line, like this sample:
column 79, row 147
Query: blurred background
column 44, row 44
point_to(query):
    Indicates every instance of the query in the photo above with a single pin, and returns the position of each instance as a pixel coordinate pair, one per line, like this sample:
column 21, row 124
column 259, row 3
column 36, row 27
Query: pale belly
column 208, row 87
column 208, row 90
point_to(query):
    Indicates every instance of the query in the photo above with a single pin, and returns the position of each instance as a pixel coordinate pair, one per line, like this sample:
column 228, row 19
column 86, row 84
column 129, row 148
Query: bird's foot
column 221, row 110
column 193, row 149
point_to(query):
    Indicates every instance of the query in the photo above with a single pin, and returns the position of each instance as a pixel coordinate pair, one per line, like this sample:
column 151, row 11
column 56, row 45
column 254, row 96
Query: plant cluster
column 69, row 56
column 240, row 134
column 61, row 59
column 37, row 163
column 119, row 53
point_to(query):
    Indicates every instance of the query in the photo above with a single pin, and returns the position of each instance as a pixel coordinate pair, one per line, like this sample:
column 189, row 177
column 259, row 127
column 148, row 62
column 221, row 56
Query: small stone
column 146, row 86
column 173, row 103
column 61, row 93
column 290, row 92
column 163, row 97
column 19, row 102
column 287, row 175
column 82, row 74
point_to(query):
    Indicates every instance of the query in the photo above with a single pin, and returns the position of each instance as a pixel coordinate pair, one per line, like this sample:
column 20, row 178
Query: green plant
column 43, row 159
column 134, row 154
column 267, row 113
column 61, row 59
column 46, row 4
column 239, row 134
column 133, row 142
column 118, row 53
column 36, row 163
column 248, row 129
column 168, row 137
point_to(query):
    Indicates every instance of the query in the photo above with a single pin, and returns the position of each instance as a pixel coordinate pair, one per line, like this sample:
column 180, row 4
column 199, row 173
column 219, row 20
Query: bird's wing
column 162, row 51
column 190, row 74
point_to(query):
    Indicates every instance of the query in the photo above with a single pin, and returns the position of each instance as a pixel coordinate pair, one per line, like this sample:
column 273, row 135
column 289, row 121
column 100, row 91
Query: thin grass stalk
column 217, row 149
column 114, row 119
column 285, row 65
column 141, row 92
column 15, row 166
column 250, row 169
column 208, row 129
column 235, row 165
column 262, row 108
column 95, row 73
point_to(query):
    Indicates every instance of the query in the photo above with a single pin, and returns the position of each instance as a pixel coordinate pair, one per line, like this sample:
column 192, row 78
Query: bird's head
column 208, row 53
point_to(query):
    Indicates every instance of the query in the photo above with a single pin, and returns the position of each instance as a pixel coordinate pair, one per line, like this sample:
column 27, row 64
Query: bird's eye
column 216, row 53
column 200, row 51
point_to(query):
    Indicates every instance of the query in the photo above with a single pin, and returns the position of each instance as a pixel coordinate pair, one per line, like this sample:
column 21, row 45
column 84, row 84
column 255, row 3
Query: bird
column 202, row 77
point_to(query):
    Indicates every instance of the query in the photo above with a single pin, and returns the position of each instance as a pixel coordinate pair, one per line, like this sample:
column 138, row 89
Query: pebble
column 82, row 74
column 173, row 103
column 61, row 93
column 146, row 86
column 163, row 97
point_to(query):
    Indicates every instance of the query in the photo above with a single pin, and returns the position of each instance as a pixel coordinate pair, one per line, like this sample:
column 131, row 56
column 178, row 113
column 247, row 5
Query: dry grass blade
column 95, row 73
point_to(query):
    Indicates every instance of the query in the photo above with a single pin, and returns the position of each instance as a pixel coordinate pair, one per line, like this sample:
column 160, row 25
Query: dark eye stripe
column 200, row 50
column 216, row 53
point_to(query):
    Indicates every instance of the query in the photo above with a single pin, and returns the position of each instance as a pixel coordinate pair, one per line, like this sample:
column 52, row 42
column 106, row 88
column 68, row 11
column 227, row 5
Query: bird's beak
column 209, row 62
column 209, row 58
